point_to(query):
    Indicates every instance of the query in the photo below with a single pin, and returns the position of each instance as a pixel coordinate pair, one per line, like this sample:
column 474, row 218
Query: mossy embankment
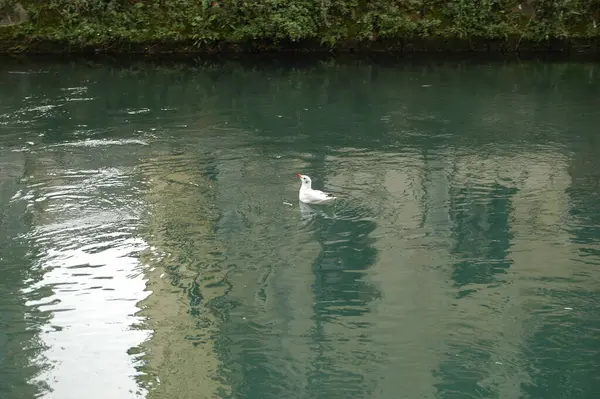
column 188, row 26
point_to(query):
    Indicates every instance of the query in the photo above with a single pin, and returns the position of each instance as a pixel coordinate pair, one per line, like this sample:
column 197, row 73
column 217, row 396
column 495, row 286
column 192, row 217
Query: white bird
column 310, row 196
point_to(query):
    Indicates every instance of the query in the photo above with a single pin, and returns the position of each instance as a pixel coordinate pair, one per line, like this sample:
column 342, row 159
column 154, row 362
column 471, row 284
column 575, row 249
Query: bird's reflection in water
column 308, row 213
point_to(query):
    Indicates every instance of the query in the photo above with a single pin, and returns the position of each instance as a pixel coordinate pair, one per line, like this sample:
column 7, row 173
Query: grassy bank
column 159, row 26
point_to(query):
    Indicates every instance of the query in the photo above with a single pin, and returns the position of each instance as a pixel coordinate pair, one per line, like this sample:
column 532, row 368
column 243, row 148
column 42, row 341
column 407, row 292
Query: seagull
column 310, row 196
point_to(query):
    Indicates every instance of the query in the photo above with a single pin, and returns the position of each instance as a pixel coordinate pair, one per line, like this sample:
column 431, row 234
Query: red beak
column 299, row 175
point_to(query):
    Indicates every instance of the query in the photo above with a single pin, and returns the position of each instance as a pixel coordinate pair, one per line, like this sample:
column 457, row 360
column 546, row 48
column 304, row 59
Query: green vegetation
column 188, row 25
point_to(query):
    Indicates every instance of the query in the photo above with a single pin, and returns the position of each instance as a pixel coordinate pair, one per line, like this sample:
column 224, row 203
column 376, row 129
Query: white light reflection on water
column 84, row 245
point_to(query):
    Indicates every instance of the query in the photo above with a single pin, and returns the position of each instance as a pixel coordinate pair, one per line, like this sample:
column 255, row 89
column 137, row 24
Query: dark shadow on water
column 301, row 58
column 341, row 297
column 21, row 324
column 342, row 230
column 480, row 216
column 482, row 233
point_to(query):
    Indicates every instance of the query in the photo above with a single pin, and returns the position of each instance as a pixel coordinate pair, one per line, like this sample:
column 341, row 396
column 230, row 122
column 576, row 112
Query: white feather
column 309, row 196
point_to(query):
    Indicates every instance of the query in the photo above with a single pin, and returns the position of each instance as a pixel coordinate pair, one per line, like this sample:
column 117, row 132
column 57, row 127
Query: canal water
column 152, row 244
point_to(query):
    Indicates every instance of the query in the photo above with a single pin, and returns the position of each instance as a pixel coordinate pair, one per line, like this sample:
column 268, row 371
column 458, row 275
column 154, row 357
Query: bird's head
column 305, row 179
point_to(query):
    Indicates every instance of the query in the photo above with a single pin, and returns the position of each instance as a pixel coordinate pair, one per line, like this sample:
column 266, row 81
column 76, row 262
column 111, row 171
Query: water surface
column 152, row 244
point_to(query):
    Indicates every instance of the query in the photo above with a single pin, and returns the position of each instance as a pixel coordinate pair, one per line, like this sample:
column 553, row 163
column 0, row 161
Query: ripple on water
column 85, row 250
column 75, row 93
column 100, row 143
column 460, row 260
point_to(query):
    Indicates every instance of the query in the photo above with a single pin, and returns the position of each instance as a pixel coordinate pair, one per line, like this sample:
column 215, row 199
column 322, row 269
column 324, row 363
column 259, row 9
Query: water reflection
column 566, row 323
column 340, row 339
column 83, row 217
column 480, row 217
column 19, row 326
column 310, row 213
column 184, row 275
column 151, row 233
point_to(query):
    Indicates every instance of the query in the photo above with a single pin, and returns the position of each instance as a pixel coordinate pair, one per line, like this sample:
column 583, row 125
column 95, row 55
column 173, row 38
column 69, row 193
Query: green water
column 152, row 243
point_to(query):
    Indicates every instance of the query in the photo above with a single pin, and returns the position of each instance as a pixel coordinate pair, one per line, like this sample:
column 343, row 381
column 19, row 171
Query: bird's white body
column 309, row 196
